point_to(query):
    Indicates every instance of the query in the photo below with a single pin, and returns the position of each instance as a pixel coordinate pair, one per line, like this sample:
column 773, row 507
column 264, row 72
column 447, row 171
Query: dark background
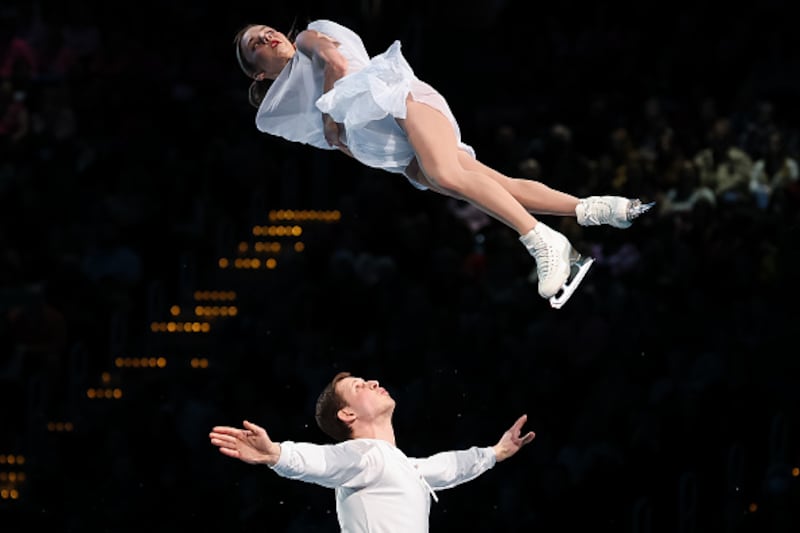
column 664, row 395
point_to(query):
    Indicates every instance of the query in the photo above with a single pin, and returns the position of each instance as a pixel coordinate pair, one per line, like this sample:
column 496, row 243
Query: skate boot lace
column 546, row 260
column 601, row 210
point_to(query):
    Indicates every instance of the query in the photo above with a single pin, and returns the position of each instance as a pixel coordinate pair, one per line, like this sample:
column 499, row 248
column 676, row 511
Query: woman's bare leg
column 540, row 199
column 535, row 196
column 436, row 146
column 434, row 141
column 448, row 170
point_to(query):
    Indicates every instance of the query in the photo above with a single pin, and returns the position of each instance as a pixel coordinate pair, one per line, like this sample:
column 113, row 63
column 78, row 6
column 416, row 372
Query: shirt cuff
column 491, row 456
column 282, row 466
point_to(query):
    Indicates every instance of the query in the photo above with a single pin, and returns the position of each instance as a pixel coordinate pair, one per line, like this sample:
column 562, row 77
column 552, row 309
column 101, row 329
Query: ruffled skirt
column 368, row 101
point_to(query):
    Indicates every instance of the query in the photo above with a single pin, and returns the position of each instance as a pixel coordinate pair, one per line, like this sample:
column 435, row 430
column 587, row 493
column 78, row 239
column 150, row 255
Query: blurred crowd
column 664, row 395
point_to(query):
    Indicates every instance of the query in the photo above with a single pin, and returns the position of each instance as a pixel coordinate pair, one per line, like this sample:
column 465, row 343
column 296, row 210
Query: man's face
column 364, row 400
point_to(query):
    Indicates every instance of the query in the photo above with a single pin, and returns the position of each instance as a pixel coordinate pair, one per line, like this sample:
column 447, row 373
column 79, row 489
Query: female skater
column 332, row 95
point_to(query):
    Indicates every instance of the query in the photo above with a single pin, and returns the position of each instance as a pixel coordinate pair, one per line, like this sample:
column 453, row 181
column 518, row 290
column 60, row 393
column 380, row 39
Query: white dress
column 378, row 488
column 367, row 100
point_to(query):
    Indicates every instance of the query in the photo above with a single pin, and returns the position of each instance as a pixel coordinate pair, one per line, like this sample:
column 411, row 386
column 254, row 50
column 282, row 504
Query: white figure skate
column 559, row 267
column 579, row 266
column 612, row 210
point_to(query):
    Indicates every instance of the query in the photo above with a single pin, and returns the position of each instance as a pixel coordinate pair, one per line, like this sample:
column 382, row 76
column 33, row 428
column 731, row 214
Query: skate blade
column 638, row 208
column 579, row 269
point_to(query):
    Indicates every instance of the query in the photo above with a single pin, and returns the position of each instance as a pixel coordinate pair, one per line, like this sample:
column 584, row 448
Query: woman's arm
column 322, row 48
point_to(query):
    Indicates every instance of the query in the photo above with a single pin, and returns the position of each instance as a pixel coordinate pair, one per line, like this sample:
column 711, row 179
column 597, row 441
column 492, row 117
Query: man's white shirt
column 378, row 488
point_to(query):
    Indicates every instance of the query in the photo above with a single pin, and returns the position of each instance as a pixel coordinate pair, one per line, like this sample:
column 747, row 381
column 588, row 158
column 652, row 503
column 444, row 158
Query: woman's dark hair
column 258, row 88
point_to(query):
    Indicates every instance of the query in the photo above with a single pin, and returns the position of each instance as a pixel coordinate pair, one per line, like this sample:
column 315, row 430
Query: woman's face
column 267, row 49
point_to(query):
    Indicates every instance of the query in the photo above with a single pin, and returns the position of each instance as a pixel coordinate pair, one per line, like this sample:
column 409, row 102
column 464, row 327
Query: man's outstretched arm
column 448, row 469
column 351, row 463
column 512, row 440
column 251, row 444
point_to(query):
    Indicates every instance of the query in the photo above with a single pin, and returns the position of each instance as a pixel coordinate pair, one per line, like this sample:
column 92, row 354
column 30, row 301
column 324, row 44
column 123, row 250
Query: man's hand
column 511, row 441
column 251, row 444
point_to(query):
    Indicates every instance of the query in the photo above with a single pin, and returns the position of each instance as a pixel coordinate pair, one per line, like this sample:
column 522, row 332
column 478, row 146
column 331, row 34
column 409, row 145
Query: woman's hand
column 333, row 133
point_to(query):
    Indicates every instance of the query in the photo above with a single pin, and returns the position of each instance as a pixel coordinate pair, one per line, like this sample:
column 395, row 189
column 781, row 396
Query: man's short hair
column 327, row 412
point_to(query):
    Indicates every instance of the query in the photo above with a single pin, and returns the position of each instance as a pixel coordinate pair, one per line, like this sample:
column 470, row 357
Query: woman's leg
column 540, row 199
column 535, row 196
column 434, row 141
column 435, row 144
